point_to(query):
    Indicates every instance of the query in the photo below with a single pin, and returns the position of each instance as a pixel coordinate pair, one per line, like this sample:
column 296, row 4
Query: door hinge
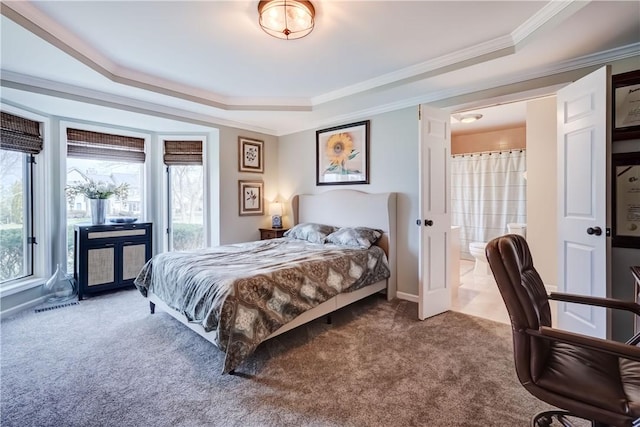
column 31, row 241
column 419, row 112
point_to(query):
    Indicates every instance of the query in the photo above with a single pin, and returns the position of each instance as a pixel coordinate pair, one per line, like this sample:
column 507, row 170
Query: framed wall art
column 626, row 199
column 250, row 155
column 342, row 154
column 250, row 194
column 625, row 103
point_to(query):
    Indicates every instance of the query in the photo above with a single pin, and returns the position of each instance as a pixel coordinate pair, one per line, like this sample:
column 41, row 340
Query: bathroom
column 488, row 197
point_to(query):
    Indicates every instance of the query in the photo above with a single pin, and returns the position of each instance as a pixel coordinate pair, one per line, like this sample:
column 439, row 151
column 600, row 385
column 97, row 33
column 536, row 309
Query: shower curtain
column 488, row 190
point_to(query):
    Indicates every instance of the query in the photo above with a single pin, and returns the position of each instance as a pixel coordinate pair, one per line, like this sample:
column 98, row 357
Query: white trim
column 551, row 288
column 40, row 24
column 407, row 297
column 24, row 306
column 66, row 91
column 549, row 12
column 209, row 202
column 32, row 84
column 43, row 229
column 21, row 286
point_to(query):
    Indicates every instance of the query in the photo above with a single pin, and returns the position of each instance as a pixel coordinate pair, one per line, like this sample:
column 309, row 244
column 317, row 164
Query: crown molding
column 71, row 92
column 41, row 86
column 553, row 11
column 585, row 62
column 35, row 21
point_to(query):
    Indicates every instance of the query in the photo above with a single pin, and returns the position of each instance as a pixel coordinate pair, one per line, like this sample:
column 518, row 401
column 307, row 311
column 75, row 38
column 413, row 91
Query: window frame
column 210, row 169
column 41, row 200
column 145, row 185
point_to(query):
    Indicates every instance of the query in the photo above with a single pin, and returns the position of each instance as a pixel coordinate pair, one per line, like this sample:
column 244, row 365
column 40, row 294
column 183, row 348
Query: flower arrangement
column 97, row 190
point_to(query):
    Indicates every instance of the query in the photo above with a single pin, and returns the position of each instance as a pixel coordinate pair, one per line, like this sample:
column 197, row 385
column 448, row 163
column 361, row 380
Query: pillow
column 362, row 237
column 309, row 231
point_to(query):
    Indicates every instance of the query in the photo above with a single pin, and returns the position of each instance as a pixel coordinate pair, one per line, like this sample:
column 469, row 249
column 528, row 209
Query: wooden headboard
column 352, row 208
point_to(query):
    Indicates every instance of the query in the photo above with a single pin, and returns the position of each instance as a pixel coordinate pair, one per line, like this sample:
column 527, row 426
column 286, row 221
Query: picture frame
column 250, row 155
column 625, row 194
column 342, row 154
column 625, row 105
column 250, row 198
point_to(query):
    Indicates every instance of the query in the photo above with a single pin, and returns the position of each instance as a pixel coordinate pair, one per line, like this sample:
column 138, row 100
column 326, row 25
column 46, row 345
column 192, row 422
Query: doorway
column 496, row 132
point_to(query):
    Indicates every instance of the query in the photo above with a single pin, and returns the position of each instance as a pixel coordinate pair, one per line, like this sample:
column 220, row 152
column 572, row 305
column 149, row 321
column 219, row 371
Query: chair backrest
column 526, row 300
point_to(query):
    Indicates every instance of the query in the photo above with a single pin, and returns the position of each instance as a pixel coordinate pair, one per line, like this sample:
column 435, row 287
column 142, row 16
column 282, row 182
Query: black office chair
column 589, row 378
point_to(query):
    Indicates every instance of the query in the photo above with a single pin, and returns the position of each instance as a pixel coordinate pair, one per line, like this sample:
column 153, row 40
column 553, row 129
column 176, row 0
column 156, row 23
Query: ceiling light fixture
column 286, row 19
column 469, row 118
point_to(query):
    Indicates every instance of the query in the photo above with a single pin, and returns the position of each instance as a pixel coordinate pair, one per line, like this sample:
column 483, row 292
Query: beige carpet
column 108, row 362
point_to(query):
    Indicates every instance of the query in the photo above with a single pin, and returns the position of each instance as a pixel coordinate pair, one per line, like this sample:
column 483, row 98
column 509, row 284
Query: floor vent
column 53, row 307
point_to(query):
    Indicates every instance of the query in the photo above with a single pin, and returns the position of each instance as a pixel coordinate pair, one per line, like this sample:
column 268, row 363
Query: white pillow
column 362, row 237
column 309, row 231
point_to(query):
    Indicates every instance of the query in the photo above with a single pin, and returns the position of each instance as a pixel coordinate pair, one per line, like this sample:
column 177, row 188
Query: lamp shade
column 286, row 19
column 275, row 209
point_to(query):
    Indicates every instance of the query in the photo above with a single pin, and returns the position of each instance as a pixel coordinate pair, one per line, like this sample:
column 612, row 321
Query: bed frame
column 341, row 208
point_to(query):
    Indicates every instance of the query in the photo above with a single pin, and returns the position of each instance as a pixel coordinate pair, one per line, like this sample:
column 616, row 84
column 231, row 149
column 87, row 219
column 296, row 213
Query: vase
column 60, row 286
column 98, row 211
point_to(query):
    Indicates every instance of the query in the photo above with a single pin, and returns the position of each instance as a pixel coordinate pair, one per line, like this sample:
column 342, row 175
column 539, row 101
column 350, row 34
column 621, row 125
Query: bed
column 237, row 296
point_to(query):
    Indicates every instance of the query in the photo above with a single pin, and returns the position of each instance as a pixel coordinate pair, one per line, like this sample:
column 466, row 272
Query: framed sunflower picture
column 250, row 198
column 342, row 154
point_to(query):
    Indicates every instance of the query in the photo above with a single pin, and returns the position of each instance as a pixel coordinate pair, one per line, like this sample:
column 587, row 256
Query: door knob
column 428, row 223
column 594, row 230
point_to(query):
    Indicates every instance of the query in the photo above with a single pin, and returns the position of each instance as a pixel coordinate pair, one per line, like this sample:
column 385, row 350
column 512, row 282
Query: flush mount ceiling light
column 286, row 19
column 468, row 118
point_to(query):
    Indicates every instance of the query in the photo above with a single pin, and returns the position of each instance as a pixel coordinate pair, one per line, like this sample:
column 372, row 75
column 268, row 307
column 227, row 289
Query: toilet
column 482, row 265
column 476, row 249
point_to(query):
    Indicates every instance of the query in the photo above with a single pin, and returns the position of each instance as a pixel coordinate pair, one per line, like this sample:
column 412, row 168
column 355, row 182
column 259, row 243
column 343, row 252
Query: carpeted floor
column 108, row 362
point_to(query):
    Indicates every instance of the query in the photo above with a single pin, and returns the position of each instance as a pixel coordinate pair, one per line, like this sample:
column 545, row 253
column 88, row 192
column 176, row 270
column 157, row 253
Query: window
column 185, row 176
column 20, row 141
column 107, row 158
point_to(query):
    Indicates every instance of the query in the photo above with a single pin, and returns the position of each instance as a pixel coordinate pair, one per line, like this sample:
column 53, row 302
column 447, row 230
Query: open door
column 434, row 222
column 583, row 109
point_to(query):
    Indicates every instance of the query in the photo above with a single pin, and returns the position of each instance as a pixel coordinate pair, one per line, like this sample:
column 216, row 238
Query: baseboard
column 24, row 306
column 407, row 297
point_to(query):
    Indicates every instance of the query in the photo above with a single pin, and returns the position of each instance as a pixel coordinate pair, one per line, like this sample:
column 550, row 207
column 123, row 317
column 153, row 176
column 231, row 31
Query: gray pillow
column 309, row 231
column 362, row 237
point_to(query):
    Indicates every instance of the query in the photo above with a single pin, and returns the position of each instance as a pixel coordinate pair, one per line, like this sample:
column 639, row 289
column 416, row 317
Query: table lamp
column 275, row 210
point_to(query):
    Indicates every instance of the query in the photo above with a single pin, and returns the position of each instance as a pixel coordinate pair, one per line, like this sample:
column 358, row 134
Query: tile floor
column 478, row 295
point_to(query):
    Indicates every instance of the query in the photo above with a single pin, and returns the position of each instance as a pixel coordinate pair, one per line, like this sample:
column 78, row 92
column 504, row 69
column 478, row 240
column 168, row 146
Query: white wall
column 393, row 165
column 542, row 230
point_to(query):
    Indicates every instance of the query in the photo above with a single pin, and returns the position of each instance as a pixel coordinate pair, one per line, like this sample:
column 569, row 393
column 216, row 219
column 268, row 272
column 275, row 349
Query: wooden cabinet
column 109, row 256
column 271, row 233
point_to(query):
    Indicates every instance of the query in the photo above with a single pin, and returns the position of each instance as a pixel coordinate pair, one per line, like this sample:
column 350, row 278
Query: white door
column 434, row 220
column 583, row 217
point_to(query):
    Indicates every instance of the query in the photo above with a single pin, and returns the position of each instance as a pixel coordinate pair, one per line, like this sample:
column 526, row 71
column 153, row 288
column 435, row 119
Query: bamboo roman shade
column 96, row 145
column 182, row 153
column 20, row 134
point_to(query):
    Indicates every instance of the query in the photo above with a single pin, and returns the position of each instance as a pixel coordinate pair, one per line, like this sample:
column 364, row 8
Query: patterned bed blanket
column 242, row 293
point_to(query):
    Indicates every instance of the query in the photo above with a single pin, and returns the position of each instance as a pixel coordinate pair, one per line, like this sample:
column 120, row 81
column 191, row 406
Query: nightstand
column 271, row 233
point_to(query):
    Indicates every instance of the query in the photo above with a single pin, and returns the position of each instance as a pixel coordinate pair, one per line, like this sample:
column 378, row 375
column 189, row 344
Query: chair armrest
column 597, row 344
column 597, row 301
